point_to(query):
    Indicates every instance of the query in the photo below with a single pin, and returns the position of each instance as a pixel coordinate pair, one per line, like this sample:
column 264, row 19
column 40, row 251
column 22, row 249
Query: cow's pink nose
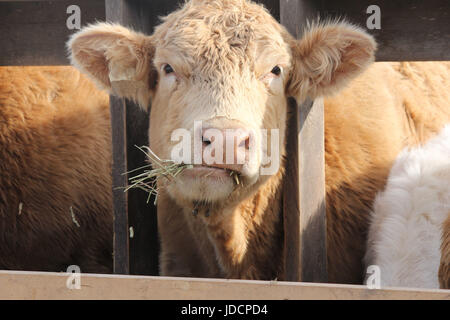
column 233, row 143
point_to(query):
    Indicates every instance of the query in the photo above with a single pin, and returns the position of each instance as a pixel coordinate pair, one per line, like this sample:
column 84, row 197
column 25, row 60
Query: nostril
column 206, row 141
column 245, row 143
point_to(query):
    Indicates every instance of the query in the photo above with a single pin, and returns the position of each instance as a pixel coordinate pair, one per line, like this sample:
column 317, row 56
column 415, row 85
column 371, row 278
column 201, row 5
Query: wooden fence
column 410, row 30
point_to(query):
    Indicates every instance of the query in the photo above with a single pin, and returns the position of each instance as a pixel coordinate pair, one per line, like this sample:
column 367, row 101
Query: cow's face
column 219, row 73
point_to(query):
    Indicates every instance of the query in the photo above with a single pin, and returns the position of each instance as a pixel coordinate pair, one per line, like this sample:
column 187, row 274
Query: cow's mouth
column 212, row 172
column 207, row 184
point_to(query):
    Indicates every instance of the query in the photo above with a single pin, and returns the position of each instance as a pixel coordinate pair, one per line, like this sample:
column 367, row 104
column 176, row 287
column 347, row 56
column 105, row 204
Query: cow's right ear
column 117, row 59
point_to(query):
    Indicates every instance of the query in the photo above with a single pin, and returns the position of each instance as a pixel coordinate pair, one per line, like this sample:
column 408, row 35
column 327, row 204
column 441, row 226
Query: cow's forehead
column 234, row 31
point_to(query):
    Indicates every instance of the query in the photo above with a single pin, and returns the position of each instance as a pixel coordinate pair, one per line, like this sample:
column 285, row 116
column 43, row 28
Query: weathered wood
column 304, row 189
column 120, row 198
column 295, row 13
column 42, row 285
column 143, row 246
column 291, row 209
column 139, row 257
column 35, row 32
column 311, row 175
column 410, row 29
column 304, row 195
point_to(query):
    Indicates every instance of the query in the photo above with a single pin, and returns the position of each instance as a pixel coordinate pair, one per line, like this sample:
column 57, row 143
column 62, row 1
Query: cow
column 55, row 171
column 406, row 237
column 229, row 64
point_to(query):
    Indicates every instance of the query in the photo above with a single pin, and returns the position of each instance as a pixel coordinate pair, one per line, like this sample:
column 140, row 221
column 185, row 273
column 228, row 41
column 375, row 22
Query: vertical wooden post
column 114, row 9
column 120, row 198
column 142, row 15
column 304, row 189
column 139, row 254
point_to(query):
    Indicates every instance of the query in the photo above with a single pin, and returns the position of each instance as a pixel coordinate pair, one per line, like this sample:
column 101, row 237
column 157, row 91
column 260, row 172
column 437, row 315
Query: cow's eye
column 276, row 70
column 167, row 68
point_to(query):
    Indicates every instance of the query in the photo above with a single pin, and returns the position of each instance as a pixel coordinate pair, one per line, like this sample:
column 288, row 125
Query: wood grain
column 304, row 188
column 35, row 32
column 411, row 30
column 120, row 198
column 41, row 285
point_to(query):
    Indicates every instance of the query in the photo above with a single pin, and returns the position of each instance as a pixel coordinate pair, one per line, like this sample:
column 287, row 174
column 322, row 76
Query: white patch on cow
column 406, row 228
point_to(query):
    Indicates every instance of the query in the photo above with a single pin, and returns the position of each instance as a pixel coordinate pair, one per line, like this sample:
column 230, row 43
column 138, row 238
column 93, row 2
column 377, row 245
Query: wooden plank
column 41, row 285
column 304, row 189
column 410, row 29
column 35, row 32
column 311, row 175
column 114, row 13
column 120, row 198
column 143, row 246
column 295, row 13
column 304, row 195
column 291, row 209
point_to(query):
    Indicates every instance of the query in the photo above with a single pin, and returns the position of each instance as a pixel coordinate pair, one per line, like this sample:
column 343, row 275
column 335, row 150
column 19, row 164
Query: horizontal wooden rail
column 42, row 285
column 35, row 32
column 410, row 30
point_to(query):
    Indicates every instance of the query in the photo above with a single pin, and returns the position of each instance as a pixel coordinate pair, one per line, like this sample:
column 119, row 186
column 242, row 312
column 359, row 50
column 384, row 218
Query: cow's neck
column 248, row 237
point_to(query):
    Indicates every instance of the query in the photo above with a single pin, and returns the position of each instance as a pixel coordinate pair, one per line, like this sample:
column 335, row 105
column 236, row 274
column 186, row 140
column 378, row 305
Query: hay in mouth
column 148, row 180
column 167, row 169
column 235, row 176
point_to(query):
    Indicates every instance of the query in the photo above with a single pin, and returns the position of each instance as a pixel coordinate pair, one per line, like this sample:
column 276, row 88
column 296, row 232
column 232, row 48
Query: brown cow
column 55, row 185
column 229, row 64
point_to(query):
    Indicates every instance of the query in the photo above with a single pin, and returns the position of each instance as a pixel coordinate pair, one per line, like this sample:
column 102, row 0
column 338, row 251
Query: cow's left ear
column 327, row 57
column 117, row 59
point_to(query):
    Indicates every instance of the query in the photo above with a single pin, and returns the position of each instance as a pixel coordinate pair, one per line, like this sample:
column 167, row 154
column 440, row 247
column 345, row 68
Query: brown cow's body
column 54, row 160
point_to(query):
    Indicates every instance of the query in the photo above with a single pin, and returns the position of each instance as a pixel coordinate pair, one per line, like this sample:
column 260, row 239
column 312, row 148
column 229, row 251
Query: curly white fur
column 406, row 228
